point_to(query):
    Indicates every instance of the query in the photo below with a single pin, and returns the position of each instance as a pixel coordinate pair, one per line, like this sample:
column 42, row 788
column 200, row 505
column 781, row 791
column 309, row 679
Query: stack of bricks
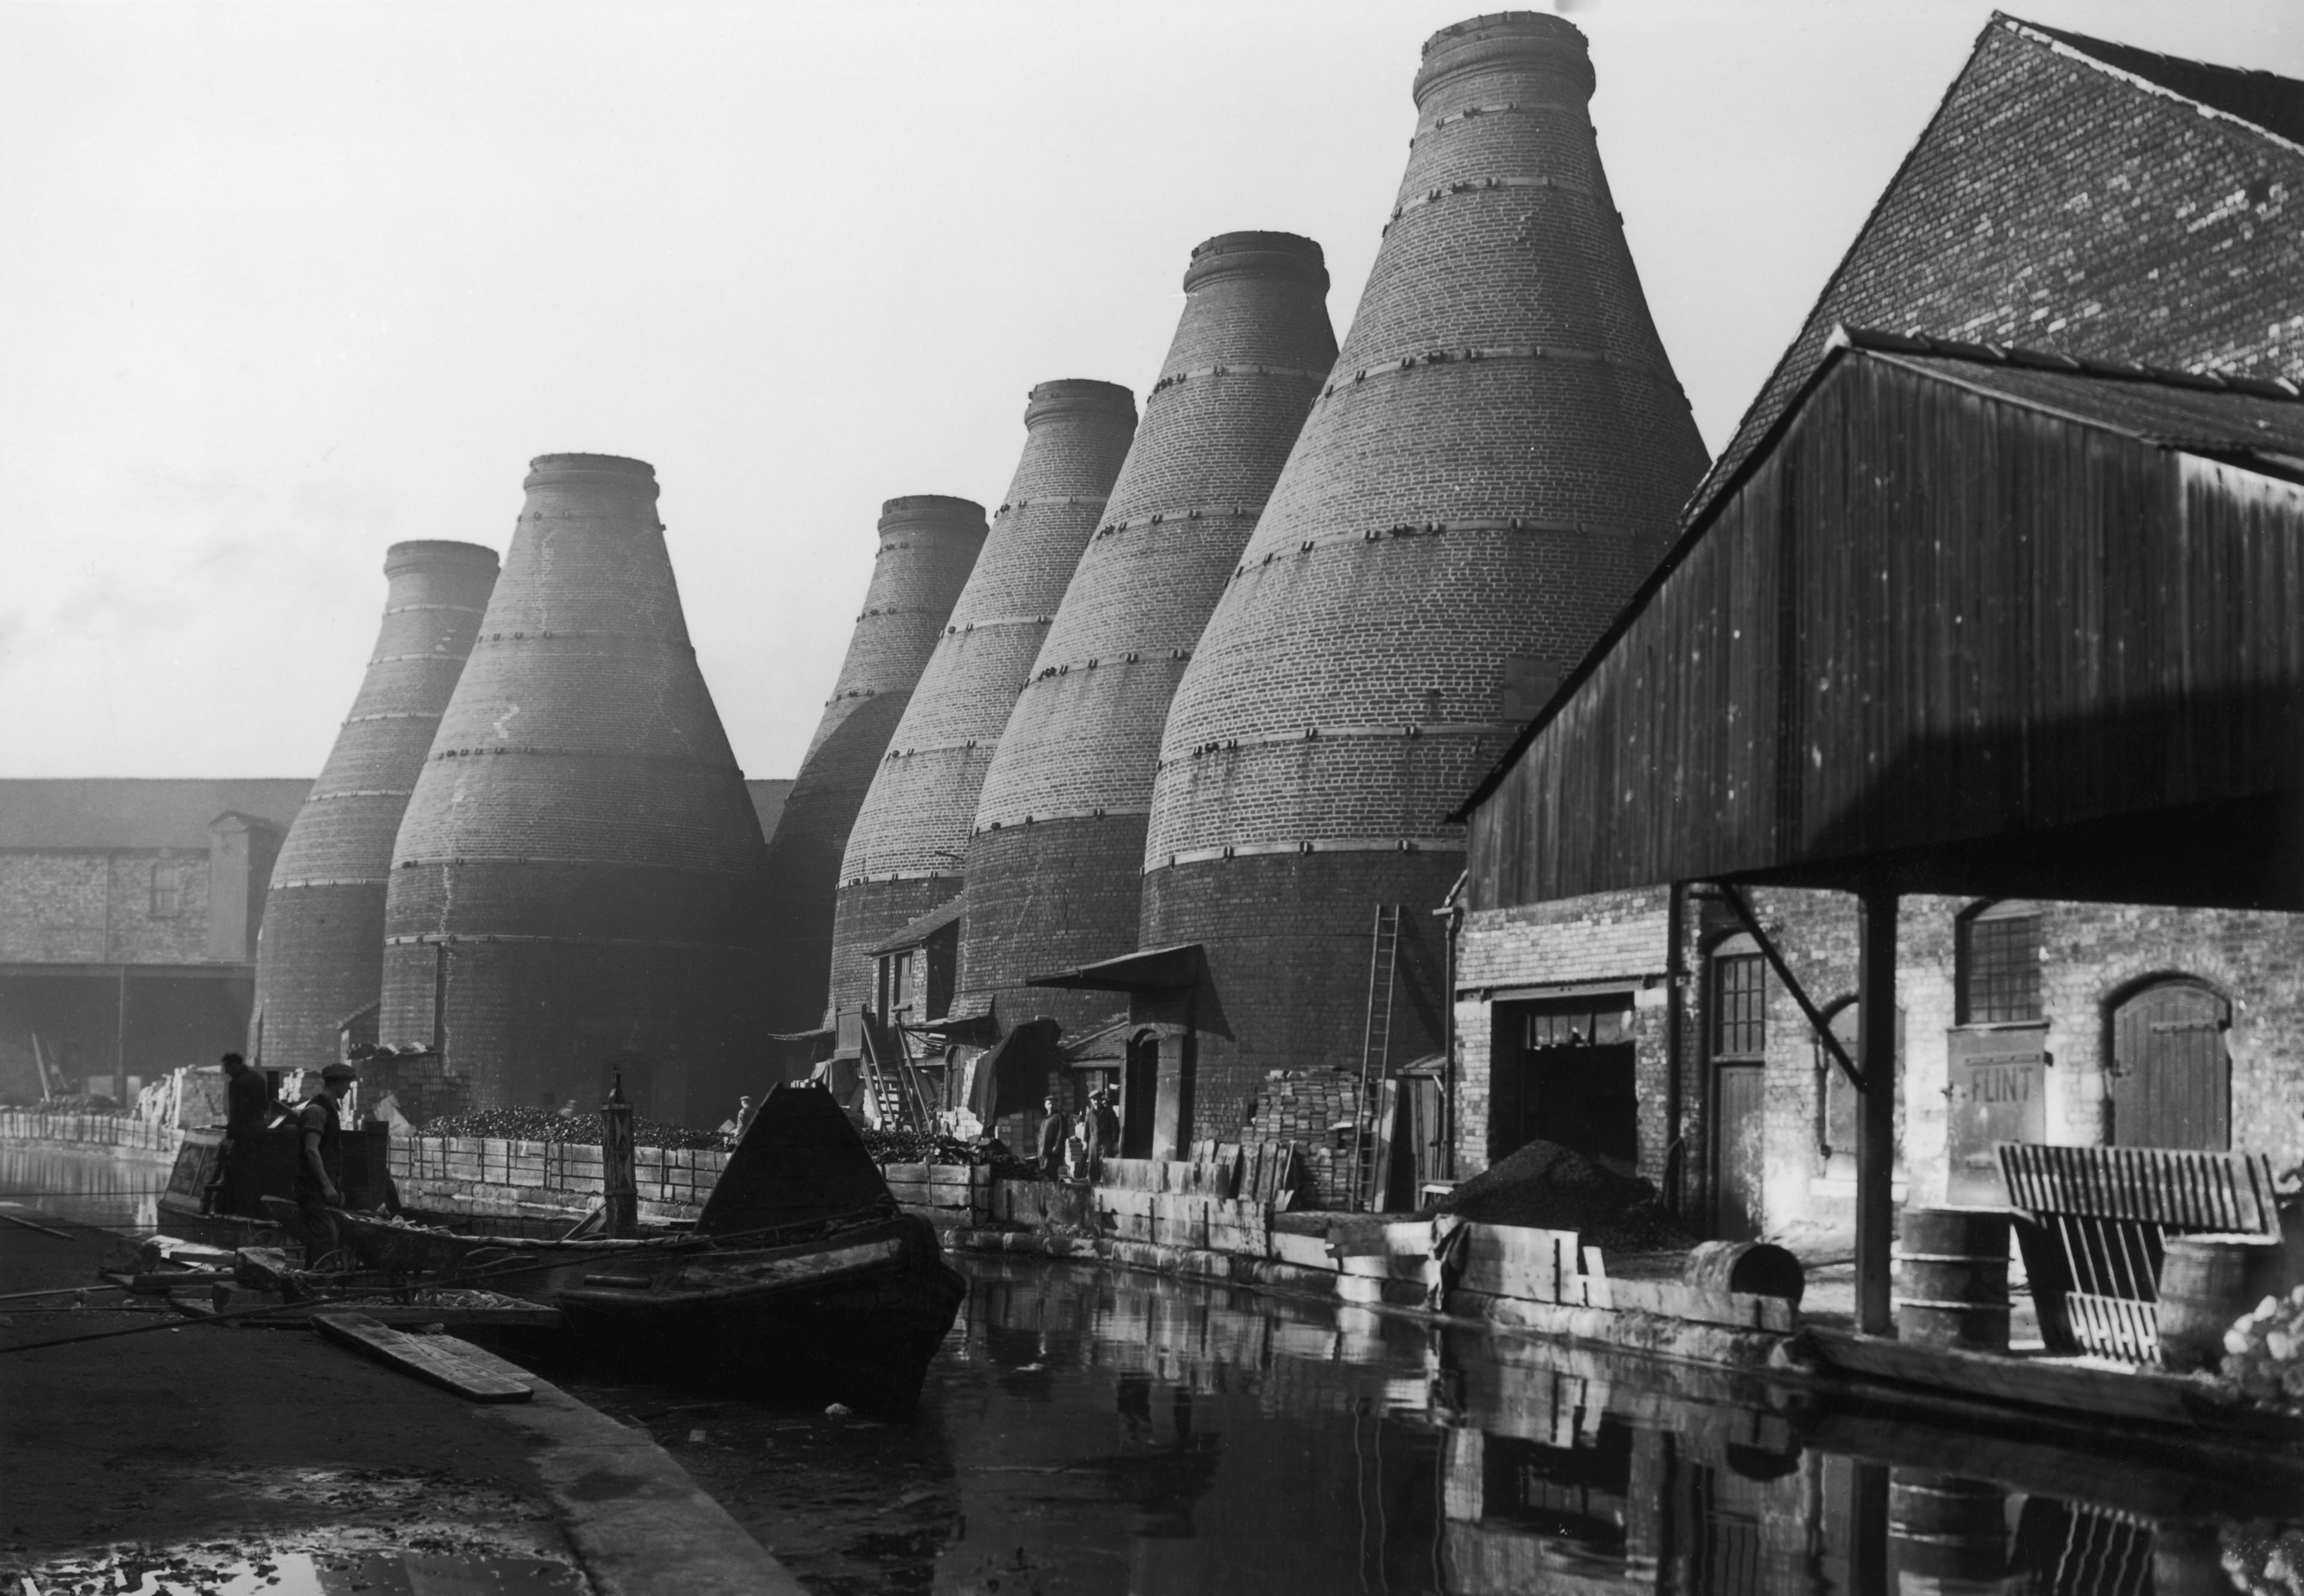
column 421, row 1085
column 928, row 545
column 488, row 1176
column 905, row 853
column 1062, row 813
column 1493, row 468
column 1304, row 1107
column 320, row 953
column 578, row 878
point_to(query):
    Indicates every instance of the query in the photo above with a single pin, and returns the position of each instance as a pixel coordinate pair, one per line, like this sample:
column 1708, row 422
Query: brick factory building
column 1055, row 863
column 907, row 847
column 129, row 917
column 576, row 887
column 320, row 962
column 2078, row 218
column 928, row 546
column 1495, row 464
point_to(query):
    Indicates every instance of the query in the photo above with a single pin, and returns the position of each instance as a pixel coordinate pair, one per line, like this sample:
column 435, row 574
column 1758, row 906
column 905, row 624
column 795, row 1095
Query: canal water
column 1098, row 1430
column 92, row 1188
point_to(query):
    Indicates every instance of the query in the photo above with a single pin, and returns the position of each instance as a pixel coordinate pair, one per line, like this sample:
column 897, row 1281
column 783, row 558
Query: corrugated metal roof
column 133, row 812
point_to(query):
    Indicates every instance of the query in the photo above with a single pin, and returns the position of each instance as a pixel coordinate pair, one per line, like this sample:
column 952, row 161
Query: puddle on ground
column 393, row 1532
column 241, row 1571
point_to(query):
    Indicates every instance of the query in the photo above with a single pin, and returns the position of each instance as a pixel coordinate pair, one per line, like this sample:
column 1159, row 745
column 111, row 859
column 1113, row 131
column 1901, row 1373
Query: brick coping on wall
column 108, row 1131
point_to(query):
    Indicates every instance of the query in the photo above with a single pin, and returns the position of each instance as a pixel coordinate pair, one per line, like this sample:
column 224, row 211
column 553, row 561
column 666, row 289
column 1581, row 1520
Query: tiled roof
column 2080, row 197
column 2264, row 99
column 129, row 812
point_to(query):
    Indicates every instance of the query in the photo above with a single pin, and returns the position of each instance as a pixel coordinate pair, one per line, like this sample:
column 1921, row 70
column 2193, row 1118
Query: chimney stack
column 576, row 885
column 1055, row 863
column 319, row 953
column 905, row 853
column 929, row 544
column 1496, row 462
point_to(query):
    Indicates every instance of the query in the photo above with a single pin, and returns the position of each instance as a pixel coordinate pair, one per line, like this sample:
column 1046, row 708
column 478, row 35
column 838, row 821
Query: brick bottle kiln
column 929, row 544
column 1056, row 866
column 905, row 853
column 1495, row 464
column 576, row 886
column 319, row 955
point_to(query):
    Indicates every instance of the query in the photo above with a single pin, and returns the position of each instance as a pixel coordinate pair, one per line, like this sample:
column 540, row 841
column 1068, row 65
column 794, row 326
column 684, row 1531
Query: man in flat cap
column 320, row 1162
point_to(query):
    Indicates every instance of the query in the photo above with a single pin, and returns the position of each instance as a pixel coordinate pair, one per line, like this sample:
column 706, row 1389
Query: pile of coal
column 1550, row 1187
column 583, row 1130
column 933, row 1147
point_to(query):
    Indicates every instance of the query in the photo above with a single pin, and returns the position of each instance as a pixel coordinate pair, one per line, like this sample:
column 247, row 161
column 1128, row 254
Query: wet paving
column 1094, row 1431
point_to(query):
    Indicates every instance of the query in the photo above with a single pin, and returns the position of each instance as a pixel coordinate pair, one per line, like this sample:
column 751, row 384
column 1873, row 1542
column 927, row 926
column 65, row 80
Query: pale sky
column 280, row 285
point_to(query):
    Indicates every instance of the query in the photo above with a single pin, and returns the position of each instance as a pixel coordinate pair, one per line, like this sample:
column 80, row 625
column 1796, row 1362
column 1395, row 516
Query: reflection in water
column 1105, row 1432
column 91, row 1188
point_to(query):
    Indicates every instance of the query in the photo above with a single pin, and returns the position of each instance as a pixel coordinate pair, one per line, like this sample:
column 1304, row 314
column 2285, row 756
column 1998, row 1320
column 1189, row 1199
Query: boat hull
column 854, row 1318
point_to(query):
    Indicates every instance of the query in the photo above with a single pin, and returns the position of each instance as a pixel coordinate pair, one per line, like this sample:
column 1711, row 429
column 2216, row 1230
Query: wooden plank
column 432, row 1358
column 2039, row 1382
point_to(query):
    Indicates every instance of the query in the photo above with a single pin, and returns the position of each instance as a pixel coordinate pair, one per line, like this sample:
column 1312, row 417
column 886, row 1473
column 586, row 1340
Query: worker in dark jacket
column 1103, row 1126
column 248, row 1106
column 320, row 1161
column 1054, row 1128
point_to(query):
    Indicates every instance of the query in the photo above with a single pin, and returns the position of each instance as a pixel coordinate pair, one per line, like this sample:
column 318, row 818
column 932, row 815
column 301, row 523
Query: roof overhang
column 1148, row 970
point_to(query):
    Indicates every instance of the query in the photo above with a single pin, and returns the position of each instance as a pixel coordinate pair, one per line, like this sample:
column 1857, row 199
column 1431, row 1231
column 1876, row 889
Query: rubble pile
column 2264, row 1560
column 1546, row 1186
column 2264, row 1351
column 583, row 1130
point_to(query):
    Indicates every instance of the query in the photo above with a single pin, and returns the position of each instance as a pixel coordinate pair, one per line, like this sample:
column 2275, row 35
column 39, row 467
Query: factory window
column 168, row 891
column 1739, row 1000
column 1998, row 965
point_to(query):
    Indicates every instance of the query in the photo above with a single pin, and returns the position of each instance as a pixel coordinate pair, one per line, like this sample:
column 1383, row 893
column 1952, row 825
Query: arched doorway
column 2171, row 1075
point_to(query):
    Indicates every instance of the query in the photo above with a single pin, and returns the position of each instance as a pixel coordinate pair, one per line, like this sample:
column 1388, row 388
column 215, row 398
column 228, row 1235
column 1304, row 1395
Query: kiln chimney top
column 1524, row 39
column 438, row 554
column 1258, row 255
column 932, row 513
column 1080, row 397
column 596, row 468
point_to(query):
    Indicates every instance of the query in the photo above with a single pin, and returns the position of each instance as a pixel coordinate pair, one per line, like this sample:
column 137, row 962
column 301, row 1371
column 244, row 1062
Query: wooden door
column 1738, row 1149
column 2172, row 1078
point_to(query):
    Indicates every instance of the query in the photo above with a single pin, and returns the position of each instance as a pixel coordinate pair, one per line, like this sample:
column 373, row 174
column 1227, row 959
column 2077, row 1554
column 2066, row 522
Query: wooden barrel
column 1757, row 1268
column 1947, row 1531
column 2206, row 1283
column 1953, row 1284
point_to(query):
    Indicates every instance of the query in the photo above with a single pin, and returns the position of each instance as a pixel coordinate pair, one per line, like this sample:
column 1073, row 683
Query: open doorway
column 1140, row 1094
column 1567, row 1076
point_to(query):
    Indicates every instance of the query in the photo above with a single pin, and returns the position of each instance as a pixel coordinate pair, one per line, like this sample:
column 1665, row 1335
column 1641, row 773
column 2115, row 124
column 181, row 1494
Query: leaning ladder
column 1375, row 1044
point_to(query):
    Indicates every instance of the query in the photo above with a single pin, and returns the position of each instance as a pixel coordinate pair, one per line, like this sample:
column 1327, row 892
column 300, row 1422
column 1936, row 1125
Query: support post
column 1876, row 1133
column 619, row 1179
column 119, row 1044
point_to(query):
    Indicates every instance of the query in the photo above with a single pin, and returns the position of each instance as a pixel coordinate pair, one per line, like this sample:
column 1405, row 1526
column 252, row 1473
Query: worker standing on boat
column 248, row 1104
column 1053, row 1127
column 320, row 1161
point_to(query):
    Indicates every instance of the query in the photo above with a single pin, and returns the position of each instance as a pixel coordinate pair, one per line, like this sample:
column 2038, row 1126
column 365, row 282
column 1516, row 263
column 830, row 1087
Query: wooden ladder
column 887, row 1078
column 1375, row 1043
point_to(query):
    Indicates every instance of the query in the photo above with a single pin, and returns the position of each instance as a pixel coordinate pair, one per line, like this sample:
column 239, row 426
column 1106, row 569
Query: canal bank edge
column 639, row 1525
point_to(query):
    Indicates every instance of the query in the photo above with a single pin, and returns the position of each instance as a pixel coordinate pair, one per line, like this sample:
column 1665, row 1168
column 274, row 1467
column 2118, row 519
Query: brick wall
column 2092, row 957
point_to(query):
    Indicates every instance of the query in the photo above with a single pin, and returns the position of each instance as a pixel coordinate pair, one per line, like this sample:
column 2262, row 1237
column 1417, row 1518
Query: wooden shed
column 1970, row 620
